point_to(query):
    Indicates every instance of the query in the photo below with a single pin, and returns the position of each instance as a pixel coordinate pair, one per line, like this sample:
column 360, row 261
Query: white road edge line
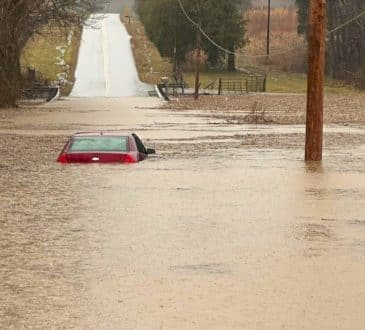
column 106, row 61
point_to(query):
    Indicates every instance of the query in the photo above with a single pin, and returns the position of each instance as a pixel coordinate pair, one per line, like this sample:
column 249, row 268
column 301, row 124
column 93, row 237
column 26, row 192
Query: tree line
column 175, row 36
column 19, row 21
column 345, row 46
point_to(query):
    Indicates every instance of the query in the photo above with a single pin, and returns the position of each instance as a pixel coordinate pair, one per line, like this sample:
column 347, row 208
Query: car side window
column 141, row 148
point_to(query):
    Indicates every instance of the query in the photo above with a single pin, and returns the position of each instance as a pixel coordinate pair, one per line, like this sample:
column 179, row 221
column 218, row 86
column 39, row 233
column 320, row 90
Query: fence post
column 220, row 87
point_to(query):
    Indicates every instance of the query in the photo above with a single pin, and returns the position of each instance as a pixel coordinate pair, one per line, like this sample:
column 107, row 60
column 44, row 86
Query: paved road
column 106, row 65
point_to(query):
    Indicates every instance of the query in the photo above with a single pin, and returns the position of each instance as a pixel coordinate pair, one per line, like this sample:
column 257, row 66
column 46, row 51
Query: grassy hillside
column 53, row 53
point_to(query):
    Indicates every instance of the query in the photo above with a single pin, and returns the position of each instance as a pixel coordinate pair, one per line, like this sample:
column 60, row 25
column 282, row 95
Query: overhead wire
column 227, row 51
column 347, row 23
column 202, row 31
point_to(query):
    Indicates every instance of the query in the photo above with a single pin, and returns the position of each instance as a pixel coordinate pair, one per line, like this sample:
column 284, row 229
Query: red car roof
column 106, row 133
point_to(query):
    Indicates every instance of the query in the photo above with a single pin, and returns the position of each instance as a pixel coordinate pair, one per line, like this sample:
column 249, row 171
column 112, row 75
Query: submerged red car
column 104, row 147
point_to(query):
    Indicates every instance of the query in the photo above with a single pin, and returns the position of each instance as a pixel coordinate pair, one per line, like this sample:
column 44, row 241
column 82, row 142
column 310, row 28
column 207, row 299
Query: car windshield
column 99, row 143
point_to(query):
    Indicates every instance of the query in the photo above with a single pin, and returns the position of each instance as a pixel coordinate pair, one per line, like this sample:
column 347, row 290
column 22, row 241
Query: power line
column 261, row 55
column 346, row 23
column 203, row 32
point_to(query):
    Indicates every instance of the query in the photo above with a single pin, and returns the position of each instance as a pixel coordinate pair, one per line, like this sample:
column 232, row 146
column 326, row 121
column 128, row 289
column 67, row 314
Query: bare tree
column 19, row 21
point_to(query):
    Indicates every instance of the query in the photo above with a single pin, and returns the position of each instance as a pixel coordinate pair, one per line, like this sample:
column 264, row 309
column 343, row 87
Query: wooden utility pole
column 315, row 92
column 268, row 29
column 175, row 45
column 198, row 51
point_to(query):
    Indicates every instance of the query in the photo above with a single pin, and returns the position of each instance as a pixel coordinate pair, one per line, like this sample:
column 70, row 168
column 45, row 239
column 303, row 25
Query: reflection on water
column 220, row 238
column 314, row 167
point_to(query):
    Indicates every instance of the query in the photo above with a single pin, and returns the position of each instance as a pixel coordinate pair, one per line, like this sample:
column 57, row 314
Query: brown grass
column 282, row 20
column 287, row 46
column 150, row 65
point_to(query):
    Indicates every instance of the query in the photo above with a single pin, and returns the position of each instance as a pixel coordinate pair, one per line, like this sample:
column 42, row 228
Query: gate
column 249, row 83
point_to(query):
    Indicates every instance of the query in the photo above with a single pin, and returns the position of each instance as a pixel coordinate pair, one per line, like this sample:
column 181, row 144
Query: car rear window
column 99, row 143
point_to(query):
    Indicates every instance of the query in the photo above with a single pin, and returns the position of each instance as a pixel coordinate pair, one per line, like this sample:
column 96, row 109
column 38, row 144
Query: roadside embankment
column 150, row 64
column 53, row 54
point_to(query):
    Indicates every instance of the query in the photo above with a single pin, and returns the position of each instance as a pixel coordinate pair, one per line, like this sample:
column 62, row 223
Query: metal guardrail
column 172, row 86
column 35, row 87
column 34, row 93
column 162, row 92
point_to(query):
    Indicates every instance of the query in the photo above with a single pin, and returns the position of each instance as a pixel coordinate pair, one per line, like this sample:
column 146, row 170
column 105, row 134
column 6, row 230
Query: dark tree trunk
column 9, row 62
column 231, row 60
column 10, row 76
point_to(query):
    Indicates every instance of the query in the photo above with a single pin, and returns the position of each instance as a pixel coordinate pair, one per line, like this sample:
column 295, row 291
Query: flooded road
column 226, row 228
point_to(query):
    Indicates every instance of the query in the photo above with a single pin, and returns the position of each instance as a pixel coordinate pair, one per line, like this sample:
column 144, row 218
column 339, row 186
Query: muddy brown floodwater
column 226, row 228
